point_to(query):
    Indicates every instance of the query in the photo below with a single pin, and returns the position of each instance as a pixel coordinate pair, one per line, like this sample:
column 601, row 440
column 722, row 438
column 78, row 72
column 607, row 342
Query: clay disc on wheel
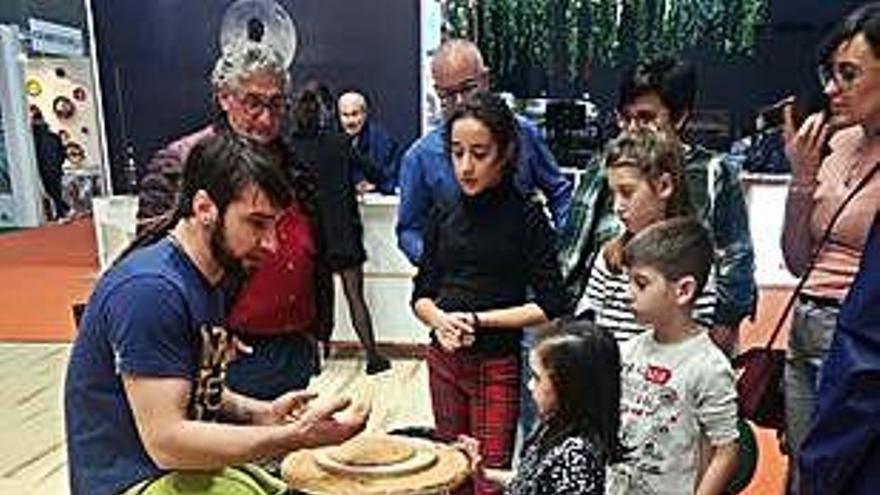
column 372, row 450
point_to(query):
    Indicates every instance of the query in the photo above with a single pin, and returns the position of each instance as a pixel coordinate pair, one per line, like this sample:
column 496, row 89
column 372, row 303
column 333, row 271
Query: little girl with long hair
column 576, row 387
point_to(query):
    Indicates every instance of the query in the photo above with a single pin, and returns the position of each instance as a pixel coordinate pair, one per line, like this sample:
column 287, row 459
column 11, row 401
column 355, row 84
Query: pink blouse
column 841, row 171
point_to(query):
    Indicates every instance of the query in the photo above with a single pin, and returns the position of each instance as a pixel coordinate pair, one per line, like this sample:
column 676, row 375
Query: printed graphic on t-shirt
column 651, row 416
column 218, row 350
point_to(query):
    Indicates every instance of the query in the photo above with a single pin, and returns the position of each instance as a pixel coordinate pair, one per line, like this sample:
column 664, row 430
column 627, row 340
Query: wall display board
column 168, row 48
column 61, row 88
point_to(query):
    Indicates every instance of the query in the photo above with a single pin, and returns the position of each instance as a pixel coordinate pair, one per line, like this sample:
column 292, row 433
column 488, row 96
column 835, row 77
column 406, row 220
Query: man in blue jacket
column 841, row 454
column 378, row 152
column 426, row 172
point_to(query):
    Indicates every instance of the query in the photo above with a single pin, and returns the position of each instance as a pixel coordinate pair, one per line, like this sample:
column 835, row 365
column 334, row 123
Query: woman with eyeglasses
column 850, row 75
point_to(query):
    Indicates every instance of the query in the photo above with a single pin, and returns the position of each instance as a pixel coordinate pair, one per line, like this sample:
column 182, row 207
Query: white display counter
column 388, row 274
column 765, row 197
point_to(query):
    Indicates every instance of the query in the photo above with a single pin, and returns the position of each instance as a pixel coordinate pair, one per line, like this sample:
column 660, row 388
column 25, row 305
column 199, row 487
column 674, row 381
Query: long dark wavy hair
column 222, row 165
column 583, row 364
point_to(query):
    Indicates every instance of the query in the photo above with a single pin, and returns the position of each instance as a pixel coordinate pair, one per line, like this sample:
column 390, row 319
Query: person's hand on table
column 364, row 187
column 471, row 448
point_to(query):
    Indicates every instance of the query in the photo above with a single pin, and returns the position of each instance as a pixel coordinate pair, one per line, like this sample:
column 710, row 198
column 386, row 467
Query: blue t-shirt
column 147, row 316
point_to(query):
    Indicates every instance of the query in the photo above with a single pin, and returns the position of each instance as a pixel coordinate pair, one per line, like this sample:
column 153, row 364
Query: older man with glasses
column 283, row 307
column 425, row 172
column 379, row 151
column 250, row 87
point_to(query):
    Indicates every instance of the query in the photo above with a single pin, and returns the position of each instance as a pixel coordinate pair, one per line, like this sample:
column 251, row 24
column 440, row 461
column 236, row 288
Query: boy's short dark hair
column 673, row 80
column 676, row 248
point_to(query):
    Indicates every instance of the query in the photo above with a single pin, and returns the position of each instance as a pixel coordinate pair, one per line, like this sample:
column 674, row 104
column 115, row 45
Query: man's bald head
column 352, row 112
column 458, row 70
column 456, row 53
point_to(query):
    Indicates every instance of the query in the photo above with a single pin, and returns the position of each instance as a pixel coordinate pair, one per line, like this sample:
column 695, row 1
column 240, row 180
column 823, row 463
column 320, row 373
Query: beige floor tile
column 33, row 457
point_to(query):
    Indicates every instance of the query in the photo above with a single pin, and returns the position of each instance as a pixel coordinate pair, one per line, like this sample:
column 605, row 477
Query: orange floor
column 45, row 270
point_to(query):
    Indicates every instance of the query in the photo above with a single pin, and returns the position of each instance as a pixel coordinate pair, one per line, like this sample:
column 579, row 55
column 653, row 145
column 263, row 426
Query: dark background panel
column 12, row 12
column 155, row 59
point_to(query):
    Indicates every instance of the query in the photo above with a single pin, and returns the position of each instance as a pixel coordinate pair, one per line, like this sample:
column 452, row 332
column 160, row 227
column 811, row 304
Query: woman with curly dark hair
column 485, row 253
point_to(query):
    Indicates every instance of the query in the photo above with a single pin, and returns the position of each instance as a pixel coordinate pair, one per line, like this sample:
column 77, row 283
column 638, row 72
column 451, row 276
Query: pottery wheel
column 425, row 467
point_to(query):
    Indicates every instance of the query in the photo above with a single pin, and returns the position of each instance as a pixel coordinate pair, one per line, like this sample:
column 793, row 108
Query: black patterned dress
column 574, row 467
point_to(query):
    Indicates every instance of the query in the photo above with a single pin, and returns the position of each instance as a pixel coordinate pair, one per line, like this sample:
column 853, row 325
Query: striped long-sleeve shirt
column 607, row 295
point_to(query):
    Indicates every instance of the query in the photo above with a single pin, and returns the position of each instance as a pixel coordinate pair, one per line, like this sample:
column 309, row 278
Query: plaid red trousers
column 476, row 395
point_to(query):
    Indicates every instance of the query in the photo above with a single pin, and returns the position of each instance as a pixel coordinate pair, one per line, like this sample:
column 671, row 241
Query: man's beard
column 221, row 253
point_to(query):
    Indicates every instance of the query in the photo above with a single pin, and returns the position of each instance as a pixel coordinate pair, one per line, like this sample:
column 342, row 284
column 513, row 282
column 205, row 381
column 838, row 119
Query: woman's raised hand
column 804, row 144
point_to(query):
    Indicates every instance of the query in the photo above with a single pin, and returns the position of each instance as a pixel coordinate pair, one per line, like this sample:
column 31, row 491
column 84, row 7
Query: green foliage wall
column 557, row 37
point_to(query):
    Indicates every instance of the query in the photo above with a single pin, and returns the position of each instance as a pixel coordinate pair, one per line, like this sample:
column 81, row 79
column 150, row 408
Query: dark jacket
column 160, row 182
column 841, row 454
column 49, row 151
column 380, row 156
column 327, row 155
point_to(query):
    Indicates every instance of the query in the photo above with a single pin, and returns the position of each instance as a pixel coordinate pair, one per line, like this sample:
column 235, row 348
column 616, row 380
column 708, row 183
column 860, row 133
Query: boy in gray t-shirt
column 677, row 387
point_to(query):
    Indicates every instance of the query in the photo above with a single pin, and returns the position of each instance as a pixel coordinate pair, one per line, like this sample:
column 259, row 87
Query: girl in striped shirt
column 645, row 174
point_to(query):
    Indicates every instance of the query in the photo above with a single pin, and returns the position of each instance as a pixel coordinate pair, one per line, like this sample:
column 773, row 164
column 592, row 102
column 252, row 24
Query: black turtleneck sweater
column 483, row 252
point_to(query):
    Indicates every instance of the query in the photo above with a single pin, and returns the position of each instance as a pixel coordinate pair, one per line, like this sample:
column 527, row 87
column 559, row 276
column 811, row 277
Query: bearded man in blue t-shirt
column 146, row 405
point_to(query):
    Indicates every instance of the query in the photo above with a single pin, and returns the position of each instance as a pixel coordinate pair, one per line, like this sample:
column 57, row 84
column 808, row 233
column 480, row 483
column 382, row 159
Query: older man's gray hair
column 243, row 60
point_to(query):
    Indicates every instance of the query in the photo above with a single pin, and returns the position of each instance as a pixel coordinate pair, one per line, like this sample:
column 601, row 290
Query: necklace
column 865, row 154
column 852, row 174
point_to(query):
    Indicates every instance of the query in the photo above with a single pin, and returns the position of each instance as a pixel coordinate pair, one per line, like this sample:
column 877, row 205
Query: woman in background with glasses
column 850, row 76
